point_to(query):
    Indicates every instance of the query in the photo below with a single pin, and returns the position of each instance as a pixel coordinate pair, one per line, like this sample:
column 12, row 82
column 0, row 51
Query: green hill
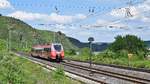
column 23, row 36
column 147, row 43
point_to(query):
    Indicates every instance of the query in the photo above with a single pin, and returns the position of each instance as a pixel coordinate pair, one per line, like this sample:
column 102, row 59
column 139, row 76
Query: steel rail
column 115, row 66
column 109, row 73
column 45, row 64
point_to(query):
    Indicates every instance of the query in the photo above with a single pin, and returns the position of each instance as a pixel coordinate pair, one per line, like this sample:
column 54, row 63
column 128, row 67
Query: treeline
column 126, row 50
column 130, row 44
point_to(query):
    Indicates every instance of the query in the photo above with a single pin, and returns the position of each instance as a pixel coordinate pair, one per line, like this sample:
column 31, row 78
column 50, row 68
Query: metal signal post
column 90, row 39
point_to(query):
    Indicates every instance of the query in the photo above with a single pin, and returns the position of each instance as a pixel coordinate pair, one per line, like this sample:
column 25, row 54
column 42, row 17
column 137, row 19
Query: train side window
column 37, row 51
column 47, row 49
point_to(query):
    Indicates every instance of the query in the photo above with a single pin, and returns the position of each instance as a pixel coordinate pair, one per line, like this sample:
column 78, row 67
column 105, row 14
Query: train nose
column 58, row 55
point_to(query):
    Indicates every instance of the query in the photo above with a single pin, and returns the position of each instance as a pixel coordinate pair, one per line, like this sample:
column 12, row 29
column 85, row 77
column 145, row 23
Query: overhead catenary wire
column 92, row 13
column 128, row 15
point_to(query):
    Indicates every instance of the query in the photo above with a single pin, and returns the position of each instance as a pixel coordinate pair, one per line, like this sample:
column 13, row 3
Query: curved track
column 46, row 63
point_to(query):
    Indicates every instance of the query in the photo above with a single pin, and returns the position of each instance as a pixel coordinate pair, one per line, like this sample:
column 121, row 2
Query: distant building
column 77, row 53
column 96, row 53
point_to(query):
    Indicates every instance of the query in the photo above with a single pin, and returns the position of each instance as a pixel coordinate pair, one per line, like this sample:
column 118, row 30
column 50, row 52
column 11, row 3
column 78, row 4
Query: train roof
column 41, row 46
column 56, row 44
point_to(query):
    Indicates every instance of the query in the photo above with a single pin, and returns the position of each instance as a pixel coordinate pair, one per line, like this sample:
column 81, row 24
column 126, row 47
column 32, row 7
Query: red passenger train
column 52, row 51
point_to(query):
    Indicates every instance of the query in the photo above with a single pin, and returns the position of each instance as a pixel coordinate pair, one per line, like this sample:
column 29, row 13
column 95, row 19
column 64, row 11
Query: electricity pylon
column 128, row 9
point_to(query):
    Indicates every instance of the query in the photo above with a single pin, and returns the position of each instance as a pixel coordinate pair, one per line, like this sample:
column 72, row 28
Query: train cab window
column 57, row 47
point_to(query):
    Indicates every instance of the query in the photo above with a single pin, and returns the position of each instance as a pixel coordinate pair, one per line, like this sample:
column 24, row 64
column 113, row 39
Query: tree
column 130, row 43
column 0, row 14
column 2, row 45
column 72, row 52
column 85, row 51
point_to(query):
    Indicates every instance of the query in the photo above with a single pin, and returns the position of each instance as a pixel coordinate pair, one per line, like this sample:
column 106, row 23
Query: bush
column 85, row 52
column 109, row 54
column 122, row 54
column 2, row 45
column 141, row 55
column 138, row 64
column 130, row 43
column 11, row 71
column 72, row 52
column 59, row 73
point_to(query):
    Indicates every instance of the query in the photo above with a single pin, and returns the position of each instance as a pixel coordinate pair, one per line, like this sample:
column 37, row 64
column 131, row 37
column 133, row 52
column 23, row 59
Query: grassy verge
column 15, row 70
column 123, row 61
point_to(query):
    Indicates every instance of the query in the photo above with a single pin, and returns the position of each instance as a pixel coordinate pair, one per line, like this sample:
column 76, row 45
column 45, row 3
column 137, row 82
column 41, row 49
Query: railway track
column 112, row 74
column 46, row 64
column 75, row 69
column 115, row 66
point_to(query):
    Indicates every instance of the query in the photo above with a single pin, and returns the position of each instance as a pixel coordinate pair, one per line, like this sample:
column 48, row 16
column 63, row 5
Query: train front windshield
column 57, row 48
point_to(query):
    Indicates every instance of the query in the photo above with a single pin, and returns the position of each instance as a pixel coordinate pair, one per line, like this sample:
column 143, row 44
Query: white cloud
column 27, row 16
column 122, row 11
column 107, row 24
column 53, row 17
column 101, row 22
column 5, row 4
column 80, row 16
column 139, row 12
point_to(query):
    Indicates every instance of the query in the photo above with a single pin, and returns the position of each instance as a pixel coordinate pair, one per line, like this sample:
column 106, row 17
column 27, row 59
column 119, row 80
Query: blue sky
column 73, row 18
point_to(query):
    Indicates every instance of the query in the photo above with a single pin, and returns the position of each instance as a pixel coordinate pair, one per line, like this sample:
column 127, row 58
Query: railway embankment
column 19, row 70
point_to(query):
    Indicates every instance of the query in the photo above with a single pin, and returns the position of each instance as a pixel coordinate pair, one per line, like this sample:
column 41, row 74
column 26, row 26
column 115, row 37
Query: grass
column 15, row 70
column 123, row 61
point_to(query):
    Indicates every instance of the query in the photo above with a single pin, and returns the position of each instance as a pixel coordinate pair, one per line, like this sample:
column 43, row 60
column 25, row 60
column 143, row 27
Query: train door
column 47, row 52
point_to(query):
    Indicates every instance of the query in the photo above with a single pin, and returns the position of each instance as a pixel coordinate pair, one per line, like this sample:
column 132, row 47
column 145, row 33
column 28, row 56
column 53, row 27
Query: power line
column 91, row 14
column 128, row 9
